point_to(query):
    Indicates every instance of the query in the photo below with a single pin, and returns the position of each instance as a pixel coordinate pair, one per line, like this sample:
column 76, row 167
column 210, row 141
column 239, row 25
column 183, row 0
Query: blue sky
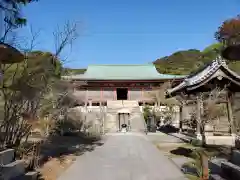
column 128, row 31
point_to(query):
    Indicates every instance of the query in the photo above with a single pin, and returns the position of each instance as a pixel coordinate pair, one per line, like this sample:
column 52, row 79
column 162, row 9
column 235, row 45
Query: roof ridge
column 147, row 64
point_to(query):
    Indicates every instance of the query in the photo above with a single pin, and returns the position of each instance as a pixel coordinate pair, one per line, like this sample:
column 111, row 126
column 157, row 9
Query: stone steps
column 136, row 117
column 221, row 169
column 137, row 122
column 231, row 170
column 32, row 175
column 235, row 158
column 216, row 177
column 6, row 156
column 215, row 165
column 114, row 104
column 129, row 103
column 12, row 169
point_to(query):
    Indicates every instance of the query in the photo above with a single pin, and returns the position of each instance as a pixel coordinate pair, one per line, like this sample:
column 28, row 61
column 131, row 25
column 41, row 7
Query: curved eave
column 234, row 74
column 172, row 92
column 121, row 79
column 223, row 71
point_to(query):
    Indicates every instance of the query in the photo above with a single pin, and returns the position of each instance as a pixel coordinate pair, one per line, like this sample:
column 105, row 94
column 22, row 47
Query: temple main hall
column 121, row 89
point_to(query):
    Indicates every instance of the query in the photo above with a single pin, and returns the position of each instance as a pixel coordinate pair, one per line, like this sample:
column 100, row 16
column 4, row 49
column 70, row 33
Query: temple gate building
column 121, row 90
column 215, row 75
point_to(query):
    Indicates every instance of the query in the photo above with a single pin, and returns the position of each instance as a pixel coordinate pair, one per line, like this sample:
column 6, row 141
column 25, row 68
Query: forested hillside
column 186, row 62
column 181, row 62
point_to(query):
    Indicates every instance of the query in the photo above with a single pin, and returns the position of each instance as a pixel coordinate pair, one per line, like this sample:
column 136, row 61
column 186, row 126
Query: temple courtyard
column 124, row 156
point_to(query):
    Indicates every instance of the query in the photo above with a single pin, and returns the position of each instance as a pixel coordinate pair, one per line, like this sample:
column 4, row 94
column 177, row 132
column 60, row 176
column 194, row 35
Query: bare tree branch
column 28, row 84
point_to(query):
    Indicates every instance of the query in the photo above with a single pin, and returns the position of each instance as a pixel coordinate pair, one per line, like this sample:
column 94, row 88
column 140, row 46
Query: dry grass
column 173, row 150
column 53, row 168
column 57, row 153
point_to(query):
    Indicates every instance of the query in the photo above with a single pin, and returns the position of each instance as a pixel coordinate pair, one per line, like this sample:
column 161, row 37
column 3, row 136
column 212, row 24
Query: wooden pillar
column 180, row 118
column 230, row 113
column 86, row 97
column 129, row 122
column 115, row 93
column 198, row 114
column 86, row 101
column 74, row 87
column 204, row 164
column 129, row 94
column 90, row 102
column 101, row 95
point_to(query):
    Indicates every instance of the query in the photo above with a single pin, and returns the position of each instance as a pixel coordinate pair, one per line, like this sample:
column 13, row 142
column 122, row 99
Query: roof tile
column 123, row 72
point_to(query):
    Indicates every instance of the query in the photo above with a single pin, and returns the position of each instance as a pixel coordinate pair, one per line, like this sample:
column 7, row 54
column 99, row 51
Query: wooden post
column 115, row 94
column 101, row 94
column 90, row 103
column 74, row 87
column 129, row 94
column 86, row 97
column 102, row 117
column 230, row 114
column 129, row 122
column 204, row 162
column 198, row 114
column 86, row 101
column 180, row 118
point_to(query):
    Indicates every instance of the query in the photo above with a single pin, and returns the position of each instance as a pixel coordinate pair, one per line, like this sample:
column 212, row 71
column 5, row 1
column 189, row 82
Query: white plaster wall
column 80, row 94
column 135, row 94
column 108, row 94
column 90, row 94
column 147, row 95
column 94, row 94
column 139, row 95
column 221, row 140
column 91, row 109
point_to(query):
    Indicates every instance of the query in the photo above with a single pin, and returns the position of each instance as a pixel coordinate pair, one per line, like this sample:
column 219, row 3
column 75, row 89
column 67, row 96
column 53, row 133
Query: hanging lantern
column 9, row 54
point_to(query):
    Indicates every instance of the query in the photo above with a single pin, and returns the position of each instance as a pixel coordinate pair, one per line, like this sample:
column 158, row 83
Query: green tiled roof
column 122, row 72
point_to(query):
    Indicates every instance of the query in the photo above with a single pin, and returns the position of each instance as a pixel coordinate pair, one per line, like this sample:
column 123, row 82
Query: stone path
column 124, row 157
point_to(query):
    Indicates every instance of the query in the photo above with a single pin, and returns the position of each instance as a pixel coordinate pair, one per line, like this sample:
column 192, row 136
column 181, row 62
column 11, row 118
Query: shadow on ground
column 188, row 160
column 57, row 146
column 182, row 151
column 168, row 129
column 210, row 151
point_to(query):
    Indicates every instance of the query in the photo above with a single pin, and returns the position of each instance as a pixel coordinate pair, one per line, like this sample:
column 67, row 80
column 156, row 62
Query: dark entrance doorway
column 122, row 93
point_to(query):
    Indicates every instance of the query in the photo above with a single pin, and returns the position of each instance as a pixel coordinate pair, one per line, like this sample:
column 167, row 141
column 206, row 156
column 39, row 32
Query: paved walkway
column 124, row 157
